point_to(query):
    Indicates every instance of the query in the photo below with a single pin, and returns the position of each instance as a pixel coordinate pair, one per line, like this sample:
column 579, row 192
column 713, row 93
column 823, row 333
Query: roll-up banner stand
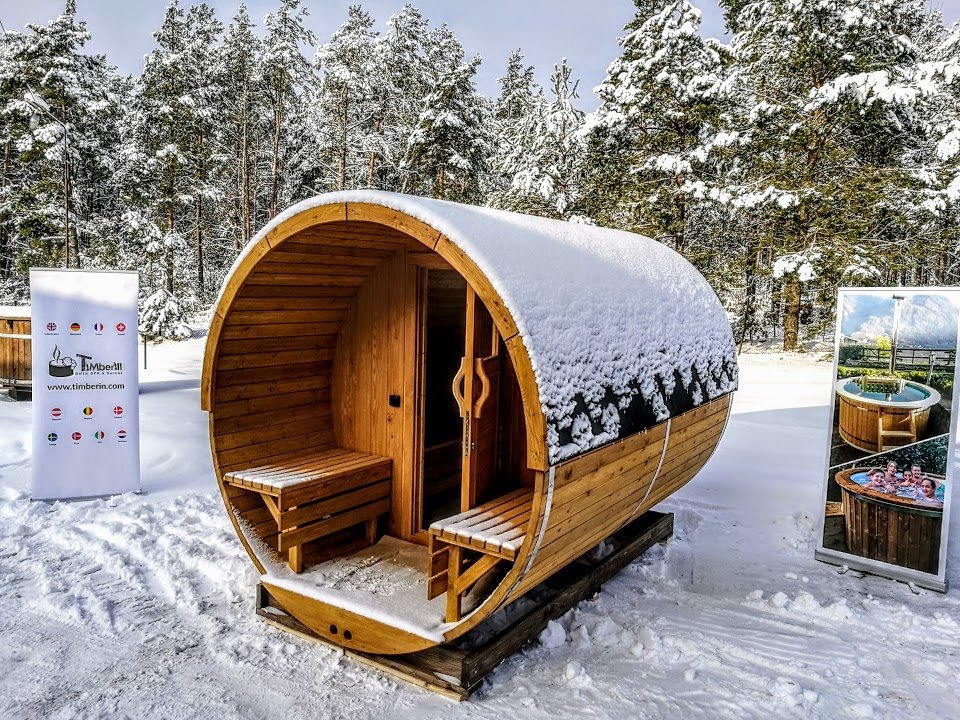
column 86, row 420
column 891, row 457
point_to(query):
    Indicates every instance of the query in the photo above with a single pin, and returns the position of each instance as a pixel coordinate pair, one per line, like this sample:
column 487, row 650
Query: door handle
column 485, row 391
column 457, row 386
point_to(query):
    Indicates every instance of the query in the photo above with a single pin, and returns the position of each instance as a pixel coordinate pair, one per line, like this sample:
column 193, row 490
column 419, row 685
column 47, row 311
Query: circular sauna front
column 388, row 521
column 876, row 413
column 888, row 526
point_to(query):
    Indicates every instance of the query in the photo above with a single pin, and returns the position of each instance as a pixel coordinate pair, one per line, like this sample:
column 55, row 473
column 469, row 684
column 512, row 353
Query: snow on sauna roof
column 622, row 332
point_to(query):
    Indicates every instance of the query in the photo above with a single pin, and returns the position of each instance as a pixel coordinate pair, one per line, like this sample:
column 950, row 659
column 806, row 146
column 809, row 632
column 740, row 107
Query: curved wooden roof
column 621, row 332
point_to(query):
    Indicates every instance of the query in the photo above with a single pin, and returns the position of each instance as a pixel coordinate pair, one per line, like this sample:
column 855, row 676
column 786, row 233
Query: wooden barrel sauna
column 420, row 410
column 874, row 424
column 15, row 359
column 884, row 526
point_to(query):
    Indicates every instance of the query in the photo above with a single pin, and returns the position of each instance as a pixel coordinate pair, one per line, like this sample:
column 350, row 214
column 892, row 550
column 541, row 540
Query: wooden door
column 481, row 384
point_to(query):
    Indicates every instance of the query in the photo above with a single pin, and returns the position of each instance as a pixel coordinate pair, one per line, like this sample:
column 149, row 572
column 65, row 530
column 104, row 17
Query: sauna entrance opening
column 472, row 441
column 443, row 329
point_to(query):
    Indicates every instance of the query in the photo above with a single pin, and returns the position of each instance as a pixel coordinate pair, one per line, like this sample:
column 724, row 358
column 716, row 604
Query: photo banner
column 86, row 420
column 891, row 464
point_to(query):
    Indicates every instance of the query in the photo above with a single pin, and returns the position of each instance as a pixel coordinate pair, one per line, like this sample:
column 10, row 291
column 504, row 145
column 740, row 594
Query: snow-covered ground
column 142, row 606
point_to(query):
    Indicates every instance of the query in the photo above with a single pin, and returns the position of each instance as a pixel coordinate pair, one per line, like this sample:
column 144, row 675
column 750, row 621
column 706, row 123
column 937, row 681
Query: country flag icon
column 53, row 437
column 118, row 411
column 121, row 434
column 99, row 435
column 56, row 413
column 51, row 327
column 121, row 327
column 76, row 436
column 74, row 327
column 98, row 327
column 88, row 411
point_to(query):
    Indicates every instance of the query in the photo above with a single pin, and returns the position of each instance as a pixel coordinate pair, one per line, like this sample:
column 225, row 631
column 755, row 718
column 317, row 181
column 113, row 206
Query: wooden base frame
column 457, row 669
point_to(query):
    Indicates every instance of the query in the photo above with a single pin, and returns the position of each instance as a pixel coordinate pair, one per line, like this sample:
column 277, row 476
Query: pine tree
column 285, row 72
column 546, row 166
column 59, row 127
column 514, row 115
column 351, row 99
column 657, row 101
column 241, row 104
column 448, row 149
column 822, row 90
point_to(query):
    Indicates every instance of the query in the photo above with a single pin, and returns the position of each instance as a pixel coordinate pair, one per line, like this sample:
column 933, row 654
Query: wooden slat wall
column 273, row 388
column 597, row 493
column 370, row 366
column 15, row 360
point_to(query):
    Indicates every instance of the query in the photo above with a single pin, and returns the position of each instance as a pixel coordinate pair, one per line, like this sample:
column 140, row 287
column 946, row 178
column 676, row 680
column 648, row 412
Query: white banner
column 86, row 420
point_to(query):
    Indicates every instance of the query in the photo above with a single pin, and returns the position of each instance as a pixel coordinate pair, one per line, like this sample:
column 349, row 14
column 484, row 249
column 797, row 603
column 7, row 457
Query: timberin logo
column 88, row 365
column 61, row 366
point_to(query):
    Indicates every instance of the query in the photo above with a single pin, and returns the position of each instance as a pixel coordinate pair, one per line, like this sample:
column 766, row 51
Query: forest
column 817, row 147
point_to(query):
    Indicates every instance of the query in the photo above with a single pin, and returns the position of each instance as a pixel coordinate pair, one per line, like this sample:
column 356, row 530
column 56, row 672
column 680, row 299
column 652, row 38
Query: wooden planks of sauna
column 598, row 492
column 457, row 669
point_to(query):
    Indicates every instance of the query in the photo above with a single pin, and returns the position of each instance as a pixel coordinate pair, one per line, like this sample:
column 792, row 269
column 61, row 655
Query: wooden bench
column 495, row 529
column 319, row 494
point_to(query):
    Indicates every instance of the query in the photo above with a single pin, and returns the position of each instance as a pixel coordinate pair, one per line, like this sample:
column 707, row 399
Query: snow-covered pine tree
column 159, row 155
column 546, row 166
column 514, row 113
column 657, row 102
column 351, row 101
column 402, row 52
column 448, row 149
column 161, row 317
column 59, row 116
column 285, row 74
column 822, row 89
column 203, row 70
column 241, row 104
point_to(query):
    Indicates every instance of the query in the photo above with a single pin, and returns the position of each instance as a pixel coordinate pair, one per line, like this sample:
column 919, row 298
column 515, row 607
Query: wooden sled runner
column 420, row 411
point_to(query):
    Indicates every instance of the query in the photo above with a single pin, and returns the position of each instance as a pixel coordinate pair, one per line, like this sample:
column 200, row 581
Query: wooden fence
column 907, row 358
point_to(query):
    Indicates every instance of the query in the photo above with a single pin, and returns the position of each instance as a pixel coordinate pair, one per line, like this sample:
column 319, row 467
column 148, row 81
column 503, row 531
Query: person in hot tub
column 927, row 492
column 912, row 477
column 878, row 481
column 891, row 477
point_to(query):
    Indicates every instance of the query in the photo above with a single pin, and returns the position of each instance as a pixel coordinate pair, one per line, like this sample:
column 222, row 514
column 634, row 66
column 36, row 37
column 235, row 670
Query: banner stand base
column 892, row 572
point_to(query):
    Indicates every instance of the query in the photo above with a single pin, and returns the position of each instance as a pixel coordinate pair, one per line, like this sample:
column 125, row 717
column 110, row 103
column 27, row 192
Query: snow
column 15, row 311
column 142, row 605
column 622, row 331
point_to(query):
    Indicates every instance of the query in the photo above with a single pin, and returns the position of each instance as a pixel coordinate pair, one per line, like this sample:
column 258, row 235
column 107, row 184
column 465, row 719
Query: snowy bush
column 162, row 317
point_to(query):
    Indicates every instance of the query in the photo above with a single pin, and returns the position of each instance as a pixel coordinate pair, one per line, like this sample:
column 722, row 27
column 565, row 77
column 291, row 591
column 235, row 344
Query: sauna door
column 459, row 352
column 480, row 369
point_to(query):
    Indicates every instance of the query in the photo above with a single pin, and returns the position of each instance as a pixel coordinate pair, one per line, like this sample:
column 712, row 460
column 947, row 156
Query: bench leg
column 295, row 558
column 371, row 530
column 453, row 576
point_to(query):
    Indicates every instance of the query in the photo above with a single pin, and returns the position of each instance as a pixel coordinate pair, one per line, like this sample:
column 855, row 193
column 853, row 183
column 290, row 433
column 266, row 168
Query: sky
column 583, row 31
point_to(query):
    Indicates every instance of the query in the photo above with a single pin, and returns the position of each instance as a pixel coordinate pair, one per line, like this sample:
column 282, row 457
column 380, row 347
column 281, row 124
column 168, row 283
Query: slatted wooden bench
column 319, row 494
column 495, row 529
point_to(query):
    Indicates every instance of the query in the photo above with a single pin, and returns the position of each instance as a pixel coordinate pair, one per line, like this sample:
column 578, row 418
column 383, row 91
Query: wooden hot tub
column 874, row 418
column 15, row 361
column 886, row 527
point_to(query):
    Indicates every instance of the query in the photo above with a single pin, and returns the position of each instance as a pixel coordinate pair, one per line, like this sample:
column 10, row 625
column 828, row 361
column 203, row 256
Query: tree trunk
column 275, row 165
column 170, row 262
column 67, row 249
column 245, row 177
column 198, row 213
column 377, row 128
column 791, row 312
column 342, row 150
